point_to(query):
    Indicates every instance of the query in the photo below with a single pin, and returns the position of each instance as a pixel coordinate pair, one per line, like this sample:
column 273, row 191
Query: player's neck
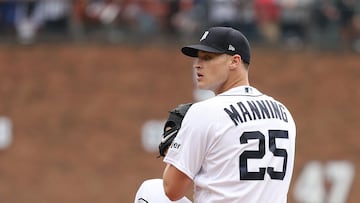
column 231, row 85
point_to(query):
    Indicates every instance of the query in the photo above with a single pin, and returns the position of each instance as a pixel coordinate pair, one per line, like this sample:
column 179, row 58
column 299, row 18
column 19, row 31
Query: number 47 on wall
column 324, row 183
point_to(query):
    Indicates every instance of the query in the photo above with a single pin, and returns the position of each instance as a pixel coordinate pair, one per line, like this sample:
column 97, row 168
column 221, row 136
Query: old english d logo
column 204, row 35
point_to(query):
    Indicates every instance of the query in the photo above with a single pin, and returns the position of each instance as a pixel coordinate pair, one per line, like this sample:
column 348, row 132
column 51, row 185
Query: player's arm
column 176, row 183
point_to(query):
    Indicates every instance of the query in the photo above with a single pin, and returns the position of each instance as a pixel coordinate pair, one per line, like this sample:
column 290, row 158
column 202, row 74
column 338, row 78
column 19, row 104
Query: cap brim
column 192, row 50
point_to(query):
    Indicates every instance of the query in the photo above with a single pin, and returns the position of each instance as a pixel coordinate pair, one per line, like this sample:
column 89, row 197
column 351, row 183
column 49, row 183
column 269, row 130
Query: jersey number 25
column 260, row 153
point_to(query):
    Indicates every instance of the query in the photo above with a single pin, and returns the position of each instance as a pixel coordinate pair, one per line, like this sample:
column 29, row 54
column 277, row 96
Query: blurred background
column 85, row 87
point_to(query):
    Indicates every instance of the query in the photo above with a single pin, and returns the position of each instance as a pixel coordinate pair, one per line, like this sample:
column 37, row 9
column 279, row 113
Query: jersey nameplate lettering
column 256, row 110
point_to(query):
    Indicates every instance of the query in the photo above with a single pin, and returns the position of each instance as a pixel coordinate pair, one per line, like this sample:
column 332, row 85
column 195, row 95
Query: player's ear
column 235, row 61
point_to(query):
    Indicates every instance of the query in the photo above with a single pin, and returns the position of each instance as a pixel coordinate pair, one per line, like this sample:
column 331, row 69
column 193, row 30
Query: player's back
column 250, row 146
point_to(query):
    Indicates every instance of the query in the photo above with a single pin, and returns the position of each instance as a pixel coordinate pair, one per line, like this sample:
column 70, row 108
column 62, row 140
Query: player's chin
column 203, row 86
column 200, row 85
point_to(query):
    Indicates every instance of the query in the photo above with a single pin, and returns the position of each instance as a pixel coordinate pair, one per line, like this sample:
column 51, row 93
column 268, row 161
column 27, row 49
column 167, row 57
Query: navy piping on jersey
column 142, row 199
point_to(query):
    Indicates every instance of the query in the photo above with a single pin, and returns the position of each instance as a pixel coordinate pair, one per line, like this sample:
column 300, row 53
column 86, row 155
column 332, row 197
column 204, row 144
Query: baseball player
column 237, row 146
column 152, row 190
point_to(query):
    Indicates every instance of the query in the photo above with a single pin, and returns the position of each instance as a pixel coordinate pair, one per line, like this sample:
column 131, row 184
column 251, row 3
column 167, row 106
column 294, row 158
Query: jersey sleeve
column 188, row 149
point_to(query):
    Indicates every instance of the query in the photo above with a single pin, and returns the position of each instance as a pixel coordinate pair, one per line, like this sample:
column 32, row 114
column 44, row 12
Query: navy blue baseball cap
column 224, row 40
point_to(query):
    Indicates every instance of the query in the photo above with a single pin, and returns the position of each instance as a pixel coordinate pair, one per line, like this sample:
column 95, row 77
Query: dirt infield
column 77, row 113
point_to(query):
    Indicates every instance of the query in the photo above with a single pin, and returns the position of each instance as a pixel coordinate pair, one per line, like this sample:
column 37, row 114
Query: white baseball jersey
column 152, row 191
column 237, row 147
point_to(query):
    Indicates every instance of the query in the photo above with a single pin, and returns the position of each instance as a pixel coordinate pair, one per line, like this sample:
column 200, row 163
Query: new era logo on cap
column 231, row 48
column 224, row 40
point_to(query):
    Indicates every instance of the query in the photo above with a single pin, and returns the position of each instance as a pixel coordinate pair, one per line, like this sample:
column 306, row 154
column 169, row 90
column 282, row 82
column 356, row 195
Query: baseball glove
column 172, row 126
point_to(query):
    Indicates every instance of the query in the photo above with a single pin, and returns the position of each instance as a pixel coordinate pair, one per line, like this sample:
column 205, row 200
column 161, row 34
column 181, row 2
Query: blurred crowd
column 294, row 23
